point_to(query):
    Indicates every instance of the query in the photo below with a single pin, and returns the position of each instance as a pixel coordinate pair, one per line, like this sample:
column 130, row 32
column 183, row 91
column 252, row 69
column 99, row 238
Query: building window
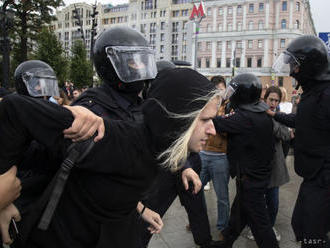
column 230, row 27
column 218, row 62
column 261, row 7
column 175, row 26
column 209, row 11
column 175, row 38
column 296, row 24
column 297, row 6
column 207, row 63
column 284, row 6
column 175, row 13
column 161, row 48
column 237, row 62
column 220, row 27
column 283, row 24
column 228, row 62
column 250, row 44
column 209, row 28
column 162, row 25
column 259, row 62
column 220, row 11
column 250, row 25
column 199, row 46
column 249, row 62
column 282, row 43
column 259, row 43
column 184, row 12
column 208, row 45
column 261, row 25
column 219, row 45
column 280, row 81
column 229, row 44
column 199, row 63
column 239, row 44
column 230, row 10
column 251, row 8
column 239, row 26
column 239, row 9
column 162, row 37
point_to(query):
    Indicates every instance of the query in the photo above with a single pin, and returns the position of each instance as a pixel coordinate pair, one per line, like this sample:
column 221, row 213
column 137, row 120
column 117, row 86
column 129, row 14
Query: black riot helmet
column 164, row 65
column 245, row 88
column 122, row 56
column 35, row 78
column 305, row 58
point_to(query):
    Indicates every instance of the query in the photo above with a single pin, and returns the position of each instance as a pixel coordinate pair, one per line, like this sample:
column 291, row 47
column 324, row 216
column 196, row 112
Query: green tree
column 81, row 71
column 50, row 50
column 30, row 16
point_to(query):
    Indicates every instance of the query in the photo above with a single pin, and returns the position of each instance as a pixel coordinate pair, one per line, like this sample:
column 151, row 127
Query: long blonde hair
column 176, row 154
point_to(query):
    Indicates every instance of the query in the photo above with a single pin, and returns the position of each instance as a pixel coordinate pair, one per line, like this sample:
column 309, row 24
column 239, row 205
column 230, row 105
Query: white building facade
column 247, row 35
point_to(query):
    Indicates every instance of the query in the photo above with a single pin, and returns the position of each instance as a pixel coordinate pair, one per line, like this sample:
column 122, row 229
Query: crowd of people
column 100, row 168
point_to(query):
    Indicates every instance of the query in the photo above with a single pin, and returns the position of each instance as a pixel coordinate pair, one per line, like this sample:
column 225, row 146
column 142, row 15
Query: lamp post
column 6, row 21
column 93, row 30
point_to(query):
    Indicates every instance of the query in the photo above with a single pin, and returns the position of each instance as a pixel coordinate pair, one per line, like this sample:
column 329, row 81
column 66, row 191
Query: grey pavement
column 174, row 234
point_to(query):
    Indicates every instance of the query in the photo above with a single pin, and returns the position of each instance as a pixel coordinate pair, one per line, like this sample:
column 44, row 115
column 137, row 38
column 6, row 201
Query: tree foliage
column 30, row 16
column 49, row 49
column 81, row 71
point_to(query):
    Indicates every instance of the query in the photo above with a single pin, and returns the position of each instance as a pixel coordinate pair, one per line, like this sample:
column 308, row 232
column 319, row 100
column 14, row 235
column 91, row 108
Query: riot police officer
column 250, row 151
column 36, row 78
column 307, row 60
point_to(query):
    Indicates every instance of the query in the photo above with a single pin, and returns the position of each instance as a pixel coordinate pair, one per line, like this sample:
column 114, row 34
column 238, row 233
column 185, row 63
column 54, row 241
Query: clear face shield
column 230, row 90
column 40, row 82
column 285, row 63
column 132, row 63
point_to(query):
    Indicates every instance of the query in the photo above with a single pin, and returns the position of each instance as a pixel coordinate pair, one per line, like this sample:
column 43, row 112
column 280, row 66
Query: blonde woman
column 98, row 205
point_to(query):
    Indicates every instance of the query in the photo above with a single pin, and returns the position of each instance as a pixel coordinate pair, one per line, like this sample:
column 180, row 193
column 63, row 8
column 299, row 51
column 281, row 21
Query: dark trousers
column 249, row 208
column 168, row 187
column 272, row 202
column 311, row 215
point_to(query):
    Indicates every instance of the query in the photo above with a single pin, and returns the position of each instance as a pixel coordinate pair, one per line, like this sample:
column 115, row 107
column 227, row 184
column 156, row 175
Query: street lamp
column 6, row 22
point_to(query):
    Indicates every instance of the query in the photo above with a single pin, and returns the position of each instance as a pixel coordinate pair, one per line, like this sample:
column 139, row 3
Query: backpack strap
column 76, row 153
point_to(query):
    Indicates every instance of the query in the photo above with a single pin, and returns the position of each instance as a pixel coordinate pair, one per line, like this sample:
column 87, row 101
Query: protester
column 171, row 184
column 307, row 60
column 250, row 151
column 76, row 93
column 215, row 165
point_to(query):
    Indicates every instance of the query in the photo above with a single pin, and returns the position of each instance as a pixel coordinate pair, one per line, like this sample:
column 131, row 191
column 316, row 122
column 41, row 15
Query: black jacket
column 312, row 124
column 250, row 142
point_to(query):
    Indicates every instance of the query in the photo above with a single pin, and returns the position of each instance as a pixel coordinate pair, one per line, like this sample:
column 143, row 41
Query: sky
column 320, row 11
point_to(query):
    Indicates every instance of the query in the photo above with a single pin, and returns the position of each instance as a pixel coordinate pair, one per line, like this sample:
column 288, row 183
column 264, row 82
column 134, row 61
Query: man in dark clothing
column 307, row 60
column 250, row 151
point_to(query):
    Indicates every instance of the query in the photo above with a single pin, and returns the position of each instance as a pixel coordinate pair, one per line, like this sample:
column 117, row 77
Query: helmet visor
column 132, row 63
column 41, row 82
column 284, row 62
column 230, row 90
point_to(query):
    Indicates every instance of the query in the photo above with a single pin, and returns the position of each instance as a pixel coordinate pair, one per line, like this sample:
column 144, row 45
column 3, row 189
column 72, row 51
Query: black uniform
column 311, row 217
column 250, row 151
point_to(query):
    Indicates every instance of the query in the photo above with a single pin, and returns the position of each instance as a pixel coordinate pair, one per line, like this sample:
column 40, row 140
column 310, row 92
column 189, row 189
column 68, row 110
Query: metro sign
column 198, row 12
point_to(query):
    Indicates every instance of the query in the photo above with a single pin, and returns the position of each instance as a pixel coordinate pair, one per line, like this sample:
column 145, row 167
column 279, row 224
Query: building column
column 243, row 59
column 291, row 6
column 244, row 17
column 277, row 15
column 223, row 54
column 214, row 55
column 266, row 53
column 214, row 20
column 234, row 18
column 267, row 16
column 233, row 47
column 225, row 19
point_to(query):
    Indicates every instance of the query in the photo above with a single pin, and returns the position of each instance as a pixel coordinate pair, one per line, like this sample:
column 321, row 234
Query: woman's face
column 204, row 127
column 273, row 101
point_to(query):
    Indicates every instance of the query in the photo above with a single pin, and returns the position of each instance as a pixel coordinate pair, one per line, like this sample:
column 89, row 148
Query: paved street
column 174, row 234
